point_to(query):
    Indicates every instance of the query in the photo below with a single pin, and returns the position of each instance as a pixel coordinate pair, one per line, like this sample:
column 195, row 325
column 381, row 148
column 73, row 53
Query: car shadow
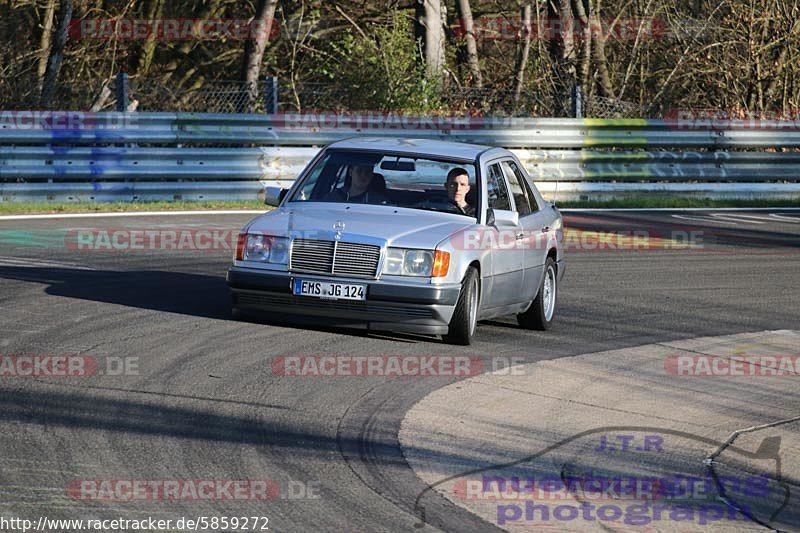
column 511, row 323
column 286, row 322
column 200, row 295
column 171, row 292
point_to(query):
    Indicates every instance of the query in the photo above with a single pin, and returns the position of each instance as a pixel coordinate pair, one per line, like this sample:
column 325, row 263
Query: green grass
column 24, row 208
column 650, row 202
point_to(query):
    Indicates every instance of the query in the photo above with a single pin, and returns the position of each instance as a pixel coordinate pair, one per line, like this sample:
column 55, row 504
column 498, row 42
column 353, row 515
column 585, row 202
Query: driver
column 358, row 191
column 457, row 186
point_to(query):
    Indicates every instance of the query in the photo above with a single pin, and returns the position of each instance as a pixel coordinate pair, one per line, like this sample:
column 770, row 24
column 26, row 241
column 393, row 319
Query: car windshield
column 395, row 180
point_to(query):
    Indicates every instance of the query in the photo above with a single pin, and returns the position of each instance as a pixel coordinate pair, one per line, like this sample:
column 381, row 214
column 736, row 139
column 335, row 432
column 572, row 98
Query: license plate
column 329, row 290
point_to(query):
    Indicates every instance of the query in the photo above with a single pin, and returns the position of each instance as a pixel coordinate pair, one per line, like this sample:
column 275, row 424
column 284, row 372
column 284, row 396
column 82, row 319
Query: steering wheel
column 450, row 205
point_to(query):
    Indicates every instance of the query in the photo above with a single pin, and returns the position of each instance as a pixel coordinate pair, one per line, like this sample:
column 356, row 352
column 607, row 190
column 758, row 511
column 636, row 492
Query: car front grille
column 334, row 257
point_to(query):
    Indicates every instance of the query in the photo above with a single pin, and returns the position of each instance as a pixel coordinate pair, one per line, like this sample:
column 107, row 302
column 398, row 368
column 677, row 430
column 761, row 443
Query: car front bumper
column 388, row 306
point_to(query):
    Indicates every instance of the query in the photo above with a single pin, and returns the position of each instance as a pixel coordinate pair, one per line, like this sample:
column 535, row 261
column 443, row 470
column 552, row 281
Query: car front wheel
column 465, row 318
column 542, row 311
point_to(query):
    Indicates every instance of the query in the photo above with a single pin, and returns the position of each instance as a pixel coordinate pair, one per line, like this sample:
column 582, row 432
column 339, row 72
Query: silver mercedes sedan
column 404, row 235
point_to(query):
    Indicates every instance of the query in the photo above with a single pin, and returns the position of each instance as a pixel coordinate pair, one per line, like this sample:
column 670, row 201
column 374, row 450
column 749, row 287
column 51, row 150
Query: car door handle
column 520, row 236
column 545, row 229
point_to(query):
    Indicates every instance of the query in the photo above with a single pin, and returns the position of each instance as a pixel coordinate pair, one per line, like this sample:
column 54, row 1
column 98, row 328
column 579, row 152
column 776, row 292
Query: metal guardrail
column 253, row 190
column 271, row 163
column 73, row 155
column 80, row 128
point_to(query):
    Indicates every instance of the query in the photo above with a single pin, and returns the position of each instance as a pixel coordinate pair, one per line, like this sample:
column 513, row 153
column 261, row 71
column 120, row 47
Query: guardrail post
column 577, row 101
column 271, row 95
column 123, row 91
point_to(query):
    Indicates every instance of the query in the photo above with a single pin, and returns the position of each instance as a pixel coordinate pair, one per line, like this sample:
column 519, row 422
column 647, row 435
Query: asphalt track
column 204, row 403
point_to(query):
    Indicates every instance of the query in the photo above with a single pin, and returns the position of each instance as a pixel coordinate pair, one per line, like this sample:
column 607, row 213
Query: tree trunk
column 57, row 54
column 562, row 54
column 149, row 46
column 254, row 54
column 430, row 25
column 522, row 58
column 588, row 27
column 44, row 43
column 599, row 49
column 467, row 26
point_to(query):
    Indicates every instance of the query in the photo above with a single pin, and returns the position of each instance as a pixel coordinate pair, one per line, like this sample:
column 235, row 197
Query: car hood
column 394, row 226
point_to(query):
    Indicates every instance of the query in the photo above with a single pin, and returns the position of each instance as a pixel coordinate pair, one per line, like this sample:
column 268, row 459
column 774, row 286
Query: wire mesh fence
column 602, row 107
column 272, row 95
column 495, row 101
column 216, row 97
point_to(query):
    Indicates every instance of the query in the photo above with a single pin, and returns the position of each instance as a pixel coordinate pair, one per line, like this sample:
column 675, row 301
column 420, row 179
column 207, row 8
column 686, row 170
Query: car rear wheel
column 542, row 311
column 465, row 318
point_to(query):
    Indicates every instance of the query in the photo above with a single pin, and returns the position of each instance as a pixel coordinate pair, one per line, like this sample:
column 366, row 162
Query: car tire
column 542, row 311
column 465, row 317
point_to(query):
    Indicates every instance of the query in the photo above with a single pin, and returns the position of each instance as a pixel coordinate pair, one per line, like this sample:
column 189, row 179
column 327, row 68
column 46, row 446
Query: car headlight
column 411, row 262
column 263, row 248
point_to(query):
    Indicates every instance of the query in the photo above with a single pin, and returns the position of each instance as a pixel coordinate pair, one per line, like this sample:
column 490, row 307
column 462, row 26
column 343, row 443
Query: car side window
column 518, row 191
column 496, row 191
column 521, row 177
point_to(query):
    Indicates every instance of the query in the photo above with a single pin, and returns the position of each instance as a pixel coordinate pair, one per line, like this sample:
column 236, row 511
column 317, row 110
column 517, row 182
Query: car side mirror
column 501, row 217
column 274, row 196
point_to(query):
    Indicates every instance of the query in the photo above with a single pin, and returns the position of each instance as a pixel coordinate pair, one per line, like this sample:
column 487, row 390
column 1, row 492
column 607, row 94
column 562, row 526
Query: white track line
column 705, row 219
column 734, row 217
column 38, row 263
column 765, row 216
column 794, row 220
column 134, row 214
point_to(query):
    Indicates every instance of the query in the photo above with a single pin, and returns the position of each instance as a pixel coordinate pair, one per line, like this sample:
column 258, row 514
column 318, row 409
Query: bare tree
column 562, row 54
column 155, row 9
column 599, row 51
column 522, row 58
column 467, row 26
column 44, row 43
column 586, row 53
column 430, row 25
column 56, row 54
column 254, row 52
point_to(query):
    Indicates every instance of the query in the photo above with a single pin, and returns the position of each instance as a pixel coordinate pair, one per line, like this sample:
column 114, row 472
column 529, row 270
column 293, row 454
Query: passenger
column 458, row 187
column 360, row 188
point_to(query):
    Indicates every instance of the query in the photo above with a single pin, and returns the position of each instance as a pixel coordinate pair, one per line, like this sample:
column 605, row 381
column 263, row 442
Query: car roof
column 426, row 147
